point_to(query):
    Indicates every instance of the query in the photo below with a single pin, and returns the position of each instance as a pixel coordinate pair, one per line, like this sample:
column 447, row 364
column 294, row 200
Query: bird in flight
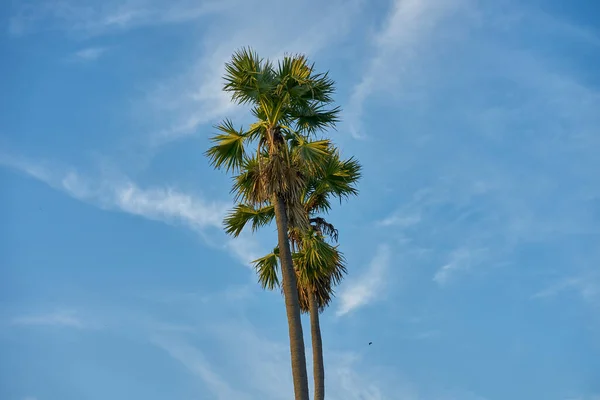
column 370, row 343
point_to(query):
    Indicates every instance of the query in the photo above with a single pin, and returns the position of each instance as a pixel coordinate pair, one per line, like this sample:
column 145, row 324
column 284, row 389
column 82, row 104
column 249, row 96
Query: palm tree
column 318, row 265
column 290, row 103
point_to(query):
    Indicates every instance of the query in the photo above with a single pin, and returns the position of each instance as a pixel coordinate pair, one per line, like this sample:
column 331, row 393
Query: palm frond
column 228, row 150
column 310, row 118
column 319, row 267
column 248, row 78
column 323, row 227
column 249, row 185
column 267, row 268
column 297, row 78
column 337, row 178
column 242, row 214
column 310, row 155
column 320, row 258
column 322, row 88
column 293, row 73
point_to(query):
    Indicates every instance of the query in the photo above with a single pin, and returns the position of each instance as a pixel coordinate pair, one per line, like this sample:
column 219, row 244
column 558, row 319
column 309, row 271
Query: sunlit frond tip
column 228, row 148
column 242, row 214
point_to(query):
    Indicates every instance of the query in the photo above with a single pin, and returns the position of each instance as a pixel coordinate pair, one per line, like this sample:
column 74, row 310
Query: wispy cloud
column 89, row 54
column 193, row 359
column 59, row 318
column 263, row 367
column 119, row 193
column 406, row 26
column 400, row 220
column 431, row 334
column 587, row 286
column 466, row 184
column 459, row 260
column 245, row 247
column 93, row 18
column 364, row 289
column 235, row 359
column 165, row 204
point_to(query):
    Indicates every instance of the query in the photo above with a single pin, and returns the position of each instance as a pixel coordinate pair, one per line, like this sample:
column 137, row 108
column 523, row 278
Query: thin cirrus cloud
column 405, row 28
column 89, row 54
column 195, row 362
column 461, row 259
column 585, row 285
column 89, row 18
column 164, row 204
column 366, row 287
column 255, row 365
column 59, row 318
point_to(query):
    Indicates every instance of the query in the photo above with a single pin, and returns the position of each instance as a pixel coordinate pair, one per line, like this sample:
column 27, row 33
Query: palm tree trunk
column 317, row 348
column 292, row 306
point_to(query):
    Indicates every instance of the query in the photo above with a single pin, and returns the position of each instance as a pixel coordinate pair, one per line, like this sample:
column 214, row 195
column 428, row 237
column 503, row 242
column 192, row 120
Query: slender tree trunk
column 292, row 306
column 317, row 348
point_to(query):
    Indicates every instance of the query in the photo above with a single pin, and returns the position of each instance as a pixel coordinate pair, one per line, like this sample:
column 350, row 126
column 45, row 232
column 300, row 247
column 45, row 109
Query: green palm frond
column 317, row 202
column 338, row 179
column 310, row 155
column 297, row 78
column 319, row 266
column 249, row 185
column 257, row 129
column 228, row 150
column 319, row 259
column 248, row 78
column 322, row 88
column 242, row 214
column 310, row 118
column 293, row 74
column 267, row 268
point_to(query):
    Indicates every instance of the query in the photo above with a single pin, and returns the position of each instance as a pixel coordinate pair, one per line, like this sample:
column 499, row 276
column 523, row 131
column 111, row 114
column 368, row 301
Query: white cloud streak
column 461, row 259
column 168, row 205
column 59, row 318
column 262, row 367
column 405, row 28
column 585, row 285
column 364, row 289
column 194, row 361
column 89, row 54
column 90, row 18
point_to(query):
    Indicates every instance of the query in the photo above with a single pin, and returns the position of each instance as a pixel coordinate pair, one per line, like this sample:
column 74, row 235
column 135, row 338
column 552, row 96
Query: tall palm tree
column 290, row 103
column 318, row 265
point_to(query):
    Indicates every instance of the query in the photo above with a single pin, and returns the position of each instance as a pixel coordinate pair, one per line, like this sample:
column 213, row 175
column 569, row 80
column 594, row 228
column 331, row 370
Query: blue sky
column 473, row 249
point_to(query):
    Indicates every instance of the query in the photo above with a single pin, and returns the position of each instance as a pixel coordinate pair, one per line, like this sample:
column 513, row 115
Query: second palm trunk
column 292, row 305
